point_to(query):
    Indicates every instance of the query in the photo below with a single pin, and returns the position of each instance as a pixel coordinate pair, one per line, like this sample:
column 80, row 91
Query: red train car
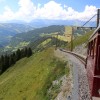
column 93, row 63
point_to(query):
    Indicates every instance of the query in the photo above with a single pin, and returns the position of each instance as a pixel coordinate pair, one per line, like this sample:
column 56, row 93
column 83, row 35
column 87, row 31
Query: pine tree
column 18, row 55
column 14, row 57
column 11, row 60
column 25, row 52
column 6, row 62
column 0, row 66
column 29, row 52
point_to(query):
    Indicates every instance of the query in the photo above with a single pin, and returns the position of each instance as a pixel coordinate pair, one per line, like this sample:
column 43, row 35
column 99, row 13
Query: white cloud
column 26, row 10
column 51, row 10
column 7, row 15
column 2, row 1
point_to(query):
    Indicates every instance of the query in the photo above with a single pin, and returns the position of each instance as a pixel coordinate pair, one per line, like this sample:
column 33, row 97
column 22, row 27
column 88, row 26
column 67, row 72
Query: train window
column 88, row 52
column 98, row 59
column 89, row 48
column 99, row 31
column 92, row 43
column 92, row 48
column 95, row 42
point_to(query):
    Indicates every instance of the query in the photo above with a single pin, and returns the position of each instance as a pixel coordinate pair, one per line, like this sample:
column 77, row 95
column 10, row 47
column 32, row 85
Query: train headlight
column 99, row 91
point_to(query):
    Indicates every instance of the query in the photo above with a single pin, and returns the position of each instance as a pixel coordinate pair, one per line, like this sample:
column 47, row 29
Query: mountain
column 1, row 46
column 37, row 23
column 46, row 22
column 33, row 35
column 8, row 30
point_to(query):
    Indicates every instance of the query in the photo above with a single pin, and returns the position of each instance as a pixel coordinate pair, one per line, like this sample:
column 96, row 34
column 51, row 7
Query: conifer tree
column 29, row 52
column 25, row 52
column 0, row 66
column 11, row 60
column 18, row 54
column 14, row 57
column 5, row 62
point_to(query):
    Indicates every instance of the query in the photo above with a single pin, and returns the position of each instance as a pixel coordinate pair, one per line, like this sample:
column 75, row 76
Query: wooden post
column 98, row 17
column 72, row 40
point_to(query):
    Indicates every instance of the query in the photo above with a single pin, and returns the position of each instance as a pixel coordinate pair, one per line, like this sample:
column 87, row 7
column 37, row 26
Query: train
column 93, row 63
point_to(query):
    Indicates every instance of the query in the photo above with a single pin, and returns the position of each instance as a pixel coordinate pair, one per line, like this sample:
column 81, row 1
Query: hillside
column 35, row 34
column 30, row 78
column 8, row 30
column 80, row 43
column 79, row 40
column 27, row 38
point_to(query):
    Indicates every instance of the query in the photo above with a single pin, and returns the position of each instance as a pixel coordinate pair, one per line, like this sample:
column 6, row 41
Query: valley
column 8, row 30
column 41, row 76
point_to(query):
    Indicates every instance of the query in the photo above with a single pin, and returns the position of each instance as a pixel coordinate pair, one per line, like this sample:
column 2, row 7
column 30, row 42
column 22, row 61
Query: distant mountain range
column 11, row 28
column 8, row 30
column 43, row 23
column 36, row 23
column 33, row 35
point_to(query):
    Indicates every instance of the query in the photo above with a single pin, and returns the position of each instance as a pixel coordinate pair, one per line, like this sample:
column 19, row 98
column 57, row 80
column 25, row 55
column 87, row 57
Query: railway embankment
column 81, row 49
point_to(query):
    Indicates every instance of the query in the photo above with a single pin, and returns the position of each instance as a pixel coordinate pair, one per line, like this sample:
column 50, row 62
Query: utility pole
column 72, row 40
column 98, row 17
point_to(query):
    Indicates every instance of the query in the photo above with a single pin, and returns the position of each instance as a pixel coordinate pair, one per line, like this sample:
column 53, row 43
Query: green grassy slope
column 30, row 78
column 80, row 39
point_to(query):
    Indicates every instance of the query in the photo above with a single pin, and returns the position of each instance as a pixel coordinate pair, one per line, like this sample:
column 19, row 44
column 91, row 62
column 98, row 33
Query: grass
column 43, row 34
column 30, row 78
column 20, row 45
column 45, row 42
column 60, row 69
column 80, row 39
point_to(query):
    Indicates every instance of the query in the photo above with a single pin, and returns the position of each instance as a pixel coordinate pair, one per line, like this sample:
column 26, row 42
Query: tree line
column 7, row 61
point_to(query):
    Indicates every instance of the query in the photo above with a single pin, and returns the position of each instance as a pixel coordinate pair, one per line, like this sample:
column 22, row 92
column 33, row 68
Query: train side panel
column 90, row 72
column 96, row 82
column 93, row 65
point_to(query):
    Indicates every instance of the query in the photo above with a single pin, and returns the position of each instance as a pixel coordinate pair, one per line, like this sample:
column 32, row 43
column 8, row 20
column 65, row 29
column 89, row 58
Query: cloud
column 7, row 15
column 52, row 10
column 2, row 1
column 26, row 10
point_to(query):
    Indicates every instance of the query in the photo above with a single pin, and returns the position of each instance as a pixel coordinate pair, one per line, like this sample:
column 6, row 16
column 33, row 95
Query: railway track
column 78, row 56
column 83, row 87
column 80, row 81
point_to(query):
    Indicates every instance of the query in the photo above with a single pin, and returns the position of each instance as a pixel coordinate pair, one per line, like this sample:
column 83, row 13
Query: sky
column 28, row 10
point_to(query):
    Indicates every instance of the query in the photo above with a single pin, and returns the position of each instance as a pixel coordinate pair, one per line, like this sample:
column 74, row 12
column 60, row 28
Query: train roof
column 98, row 28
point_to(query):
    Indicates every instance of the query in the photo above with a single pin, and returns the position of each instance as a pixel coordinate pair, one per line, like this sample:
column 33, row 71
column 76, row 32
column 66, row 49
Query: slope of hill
column 30, row 78
column 79, row 40
column 24, row 39
column 33, row 37
column 37, row 32
column 7, row 30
